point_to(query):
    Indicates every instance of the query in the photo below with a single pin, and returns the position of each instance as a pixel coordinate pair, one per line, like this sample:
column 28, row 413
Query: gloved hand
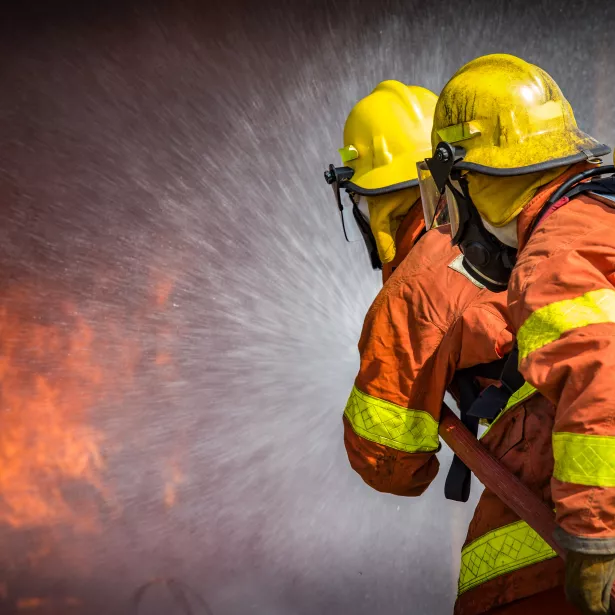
column 589, row 579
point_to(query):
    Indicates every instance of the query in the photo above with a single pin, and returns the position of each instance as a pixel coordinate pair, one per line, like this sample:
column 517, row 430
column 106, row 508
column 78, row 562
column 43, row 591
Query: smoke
column 161, row 170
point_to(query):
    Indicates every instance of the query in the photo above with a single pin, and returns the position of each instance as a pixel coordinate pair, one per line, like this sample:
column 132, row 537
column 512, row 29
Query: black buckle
column 511, row 377
column 338, row 175
column 458, row 481
column 490, row 403
column 441, row 164
column 459, row 478
column 494, row 399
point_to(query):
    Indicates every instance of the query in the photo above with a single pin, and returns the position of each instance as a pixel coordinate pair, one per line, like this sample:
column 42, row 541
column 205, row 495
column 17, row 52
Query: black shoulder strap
column 576, row 185
column 474, row 405
column 604, row 187
column 459, row 477
column 511, row 377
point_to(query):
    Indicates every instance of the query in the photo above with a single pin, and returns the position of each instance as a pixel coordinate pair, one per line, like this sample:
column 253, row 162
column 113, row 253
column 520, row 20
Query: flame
column 24, row 604
column 48, row 604
column 49, row 381
column 164, row 287
column 41, row 549
column 59, row 364
column 175, row 477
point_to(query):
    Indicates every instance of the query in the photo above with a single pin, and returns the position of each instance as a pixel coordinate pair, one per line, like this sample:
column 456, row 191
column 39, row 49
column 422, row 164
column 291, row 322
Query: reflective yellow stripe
column 521, row 394
column 550, row 322
column 460, row 132
column 584, row 460
column 413, row 431
column 348, row 153
column 499, row 552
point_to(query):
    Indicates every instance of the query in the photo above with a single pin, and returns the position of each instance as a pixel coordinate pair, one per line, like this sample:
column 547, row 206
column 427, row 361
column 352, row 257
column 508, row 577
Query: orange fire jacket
column 562, row 304
column 429, row 320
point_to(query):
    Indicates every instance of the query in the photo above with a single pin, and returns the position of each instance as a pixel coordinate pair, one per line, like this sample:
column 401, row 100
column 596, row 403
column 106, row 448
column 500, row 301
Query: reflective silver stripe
column 456, row 265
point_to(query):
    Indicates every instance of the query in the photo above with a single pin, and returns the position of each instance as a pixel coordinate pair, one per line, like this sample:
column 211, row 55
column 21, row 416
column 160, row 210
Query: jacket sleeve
column 565, row 312
column 408, row 359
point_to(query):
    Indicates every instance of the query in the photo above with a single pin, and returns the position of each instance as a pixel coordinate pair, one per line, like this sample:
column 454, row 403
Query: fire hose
column 491, row 473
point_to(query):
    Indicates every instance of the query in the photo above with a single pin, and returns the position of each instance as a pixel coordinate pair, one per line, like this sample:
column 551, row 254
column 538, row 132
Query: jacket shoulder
column 430, row 284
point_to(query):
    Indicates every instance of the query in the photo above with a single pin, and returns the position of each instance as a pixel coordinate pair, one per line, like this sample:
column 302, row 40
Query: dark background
column 179, row 312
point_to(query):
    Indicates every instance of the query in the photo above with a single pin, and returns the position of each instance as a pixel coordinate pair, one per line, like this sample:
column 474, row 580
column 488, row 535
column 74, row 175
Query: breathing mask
column 443, row 186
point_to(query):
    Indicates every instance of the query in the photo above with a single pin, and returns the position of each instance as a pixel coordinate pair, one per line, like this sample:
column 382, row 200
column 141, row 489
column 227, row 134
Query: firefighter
column 511, row 161
column 430, row 320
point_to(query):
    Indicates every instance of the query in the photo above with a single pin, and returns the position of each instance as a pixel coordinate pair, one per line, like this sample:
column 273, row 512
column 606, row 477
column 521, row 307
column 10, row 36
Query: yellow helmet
column 385, row 135
column 511, row 118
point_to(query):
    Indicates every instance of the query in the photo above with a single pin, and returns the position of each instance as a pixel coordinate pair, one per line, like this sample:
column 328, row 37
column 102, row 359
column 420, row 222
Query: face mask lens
column 453, row 208
column 430, row 196
column 441, row 213
column 349, row 224
column 363, row 206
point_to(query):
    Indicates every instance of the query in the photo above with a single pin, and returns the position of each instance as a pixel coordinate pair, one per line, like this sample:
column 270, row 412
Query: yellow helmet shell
column 385, row 135
column 509, row 116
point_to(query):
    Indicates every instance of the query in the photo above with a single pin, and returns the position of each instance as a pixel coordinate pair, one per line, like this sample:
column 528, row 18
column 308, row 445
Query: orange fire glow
column 56, row 364
column 49, row 380
column 48, row 605
column 174, row 478
column 60, row 363
column 164, row 287
column 25, row 604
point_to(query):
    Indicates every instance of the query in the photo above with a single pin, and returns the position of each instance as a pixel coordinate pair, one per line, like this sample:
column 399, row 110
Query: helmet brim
column 506, row 161
column 386, row 179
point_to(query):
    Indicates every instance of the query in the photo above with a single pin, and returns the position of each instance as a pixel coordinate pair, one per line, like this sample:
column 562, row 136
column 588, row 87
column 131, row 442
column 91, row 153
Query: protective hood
column 386, row 214
column 499, row 200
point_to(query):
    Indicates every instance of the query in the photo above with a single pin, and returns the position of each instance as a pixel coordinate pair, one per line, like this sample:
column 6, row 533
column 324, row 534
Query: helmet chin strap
column 363, row 206
column 368, row 237
column 507, row 234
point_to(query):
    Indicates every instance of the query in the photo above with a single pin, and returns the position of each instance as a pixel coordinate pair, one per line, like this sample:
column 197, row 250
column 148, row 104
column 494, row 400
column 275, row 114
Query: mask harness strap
column 485, row 257
column 573, row 187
